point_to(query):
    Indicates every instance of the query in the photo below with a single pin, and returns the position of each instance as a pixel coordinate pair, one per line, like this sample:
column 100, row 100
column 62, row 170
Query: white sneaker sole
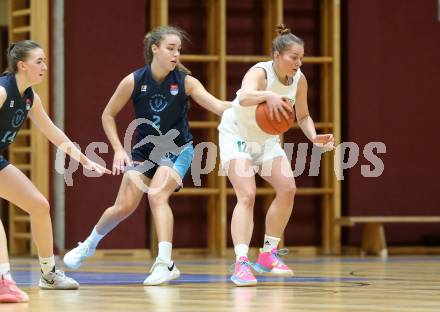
column 170, row 277
column 56, row 287
column 281, row 273
column 243, row 284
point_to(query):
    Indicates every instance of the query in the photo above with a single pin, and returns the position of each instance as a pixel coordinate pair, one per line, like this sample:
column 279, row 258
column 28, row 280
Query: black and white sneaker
column 161, row 272
column 57, row 280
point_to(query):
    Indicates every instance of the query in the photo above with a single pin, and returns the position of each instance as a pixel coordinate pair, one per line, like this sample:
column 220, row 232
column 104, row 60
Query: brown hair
column 284, row 39
column 156, row 36
column 19, row 51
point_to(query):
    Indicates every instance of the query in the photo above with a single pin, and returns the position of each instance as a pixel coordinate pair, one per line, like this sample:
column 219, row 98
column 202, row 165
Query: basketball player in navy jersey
column 27, row 66
column 163, row 151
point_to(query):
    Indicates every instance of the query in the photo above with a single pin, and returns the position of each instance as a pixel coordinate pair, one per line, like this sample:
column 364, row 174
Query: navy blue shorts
column 143, row 163
column 3, row 162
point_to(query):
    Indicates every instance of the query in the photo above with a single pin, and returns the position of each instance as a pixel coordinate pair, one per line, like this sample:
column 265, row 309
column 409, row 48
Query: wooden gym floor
column 320, row 284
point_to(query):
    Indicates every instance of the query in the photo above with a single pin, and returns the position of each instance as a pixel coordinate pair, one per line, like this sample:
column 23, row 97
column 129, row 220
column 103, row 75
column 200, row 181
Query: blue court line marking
column 324, row 260
column 208, row 262
column 24, row 278
column 364, row 260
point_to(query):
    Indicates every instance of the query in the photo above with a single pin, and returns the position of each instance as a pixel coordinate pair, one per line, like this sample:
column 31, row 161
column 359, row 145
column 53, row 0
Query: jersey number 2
column 156, row 120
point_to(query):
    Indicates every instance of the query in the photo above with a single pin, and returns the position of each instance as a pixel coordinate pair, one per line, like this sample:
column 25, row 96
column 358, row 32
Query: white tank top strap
column 273, row 84
column 267, row 66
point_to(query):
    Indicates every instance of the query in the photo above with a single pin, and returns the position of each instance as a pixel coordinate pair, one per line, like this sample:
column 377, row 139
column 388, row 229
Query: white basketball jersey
column 242, row 118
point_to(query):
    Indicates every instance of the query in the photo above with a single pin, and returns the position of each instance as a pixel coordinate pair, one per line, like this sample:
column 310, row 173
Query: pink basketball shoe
column 242, row 273
column 9, row 292
column 269, row 262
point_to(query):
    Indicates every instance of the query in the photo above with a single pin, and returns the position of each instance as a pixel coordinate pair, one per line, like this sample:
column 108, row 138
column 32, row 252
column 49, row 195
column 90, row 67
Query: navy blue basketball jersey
column 164, row 105
column 14, row 111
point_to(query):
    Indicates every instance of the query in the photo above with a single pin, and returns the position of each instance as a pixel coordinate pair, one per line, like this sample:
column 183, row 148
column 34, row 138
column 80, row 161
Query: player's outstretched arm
column 40, row 118
column 199, row 94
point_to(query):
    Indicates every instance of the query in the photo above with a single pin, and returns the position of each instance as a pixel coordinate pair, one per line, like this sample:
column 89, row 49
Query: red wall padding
column 103, row 43
column 392, row 85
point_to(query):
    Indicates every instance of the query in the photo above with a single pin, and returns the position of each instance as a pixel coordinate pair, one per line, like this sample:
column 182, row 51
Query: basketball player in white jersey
column 245, row 149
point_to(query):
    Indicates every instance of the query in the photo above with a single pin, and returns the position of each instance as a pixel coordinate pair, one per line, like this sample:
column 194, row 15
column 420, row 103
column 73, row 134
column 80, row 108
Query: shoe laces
column 245, row 265
column 3, row 278
column 53, row 275
column 158, row 262
column 277, row 253
column 280, row 252
column 84, row 247
column 10, row 283
column 60, row 273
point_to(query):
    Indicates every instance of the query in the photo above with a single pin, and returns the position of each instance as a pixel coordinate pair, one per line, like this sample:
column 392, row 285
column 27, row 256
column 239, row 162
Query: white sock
column 94, row 238
column 270, row 243
column 241, row 250
column 5, row 270
column 165, row 249
column 47, row 264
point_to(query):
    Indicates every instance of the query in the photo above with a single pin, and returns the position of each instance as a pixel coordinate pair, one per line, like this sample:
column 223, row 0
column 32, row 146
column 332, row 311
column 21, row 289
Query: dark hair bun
column 282, row 30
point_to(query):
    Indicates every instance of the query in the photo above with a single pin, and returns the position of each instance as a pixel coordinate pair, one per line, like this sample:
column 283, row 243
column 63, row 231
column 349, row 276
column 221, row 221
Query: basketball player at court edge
column 244, row 146
column 18, row 100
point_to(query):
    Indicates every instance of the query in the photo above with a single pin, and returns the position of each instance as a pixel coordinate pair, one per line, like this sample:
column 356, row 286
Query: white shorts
column 233, row 146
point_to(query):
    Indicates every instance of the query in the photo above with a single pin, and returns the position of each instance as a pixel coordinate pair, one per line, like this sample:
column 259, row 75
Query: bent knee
column 288, row 190
column 157, row 199
column 247, row 198
column 124, row 208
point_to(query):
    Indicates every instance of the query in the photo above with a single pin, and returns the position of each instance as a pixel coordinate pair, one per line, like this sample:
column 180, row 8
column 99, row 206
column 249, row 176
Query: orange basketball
column 272, row 126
